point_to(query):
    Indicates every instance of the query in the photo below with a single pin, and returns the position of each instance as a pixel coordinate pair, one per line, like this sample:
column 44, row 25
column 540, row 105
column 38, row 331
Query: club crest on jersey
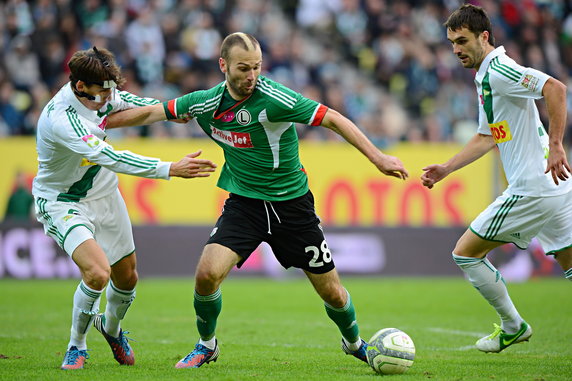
column 71, row 213
column 243, row 117
column 234, row 139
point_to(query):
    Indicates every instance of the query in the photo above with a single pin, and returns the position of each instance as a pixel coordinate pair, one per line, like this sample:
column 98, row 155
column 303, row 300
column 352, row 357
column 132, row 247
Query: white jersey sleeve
column 528, row 85
column 124, row 100
column 74, row 136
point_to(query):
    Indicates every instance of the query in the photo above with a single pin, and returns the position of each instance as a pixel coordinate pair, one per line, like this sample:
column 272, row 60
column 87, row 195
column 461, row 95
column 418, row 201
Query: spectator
column 21, row 201
column 397, row 47
column 22, row 64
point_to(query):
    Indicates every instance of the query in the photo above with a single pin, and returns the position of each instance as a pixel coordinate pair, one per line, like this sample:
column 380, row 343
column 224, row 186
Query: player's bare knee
column 464, row 251
column 127, row 281
column 207, row 279
column 97, row 277
column 133, row 280
column 336, row 297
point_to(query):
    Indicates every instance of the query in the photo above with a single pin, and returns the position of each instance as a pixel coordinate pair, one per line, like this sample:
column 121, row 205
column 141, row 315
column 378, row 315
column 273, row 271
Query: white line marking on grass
column 456, row 332
column 459, row 349
column 466, row 348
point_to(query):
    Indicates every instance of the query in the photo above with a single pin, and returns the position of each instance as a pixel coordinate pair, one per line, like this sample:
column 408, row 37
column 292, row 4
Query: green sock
column 207, row 308
column 345, row 319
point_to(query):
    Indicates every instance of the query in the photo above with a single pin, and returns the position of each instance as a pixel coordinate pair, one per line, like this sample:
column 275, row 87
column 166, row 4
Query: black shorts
column 291, row 228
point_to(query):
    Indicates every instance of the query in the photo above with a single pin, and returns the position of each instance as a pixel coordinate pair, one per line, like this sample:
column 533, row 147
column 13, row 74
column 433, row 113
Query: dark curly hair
column 94, row 66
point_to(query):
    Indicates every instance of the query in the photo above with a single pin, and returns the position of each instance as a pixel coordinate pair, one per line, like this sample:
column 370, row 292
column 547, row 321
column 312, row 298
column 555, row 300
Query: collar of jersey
column 485, row 64
column 238, row 103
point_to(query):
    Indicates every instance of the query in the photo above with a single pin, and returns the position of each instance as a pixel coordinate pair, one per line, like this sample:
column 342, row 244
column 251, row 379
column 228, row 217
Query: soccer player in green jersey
column 538, row 200
column 252, row 119
column 77, row 198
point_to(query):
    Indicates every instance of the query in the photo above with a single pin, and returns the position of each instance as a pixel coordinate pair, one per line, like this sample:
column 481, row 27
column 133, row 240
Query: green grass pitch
column 278, row 330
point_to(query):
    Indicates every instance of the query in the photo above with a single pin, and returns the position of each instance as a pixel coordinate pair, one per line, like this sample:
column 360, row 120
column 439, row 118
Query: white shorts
column 104, row 219
column 518, row 219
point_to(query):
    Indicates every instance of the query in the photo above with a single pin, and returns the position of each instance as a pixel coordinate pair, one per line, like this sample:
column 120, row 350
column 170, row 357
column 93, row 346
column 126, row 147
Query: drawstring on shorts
column 268, row 214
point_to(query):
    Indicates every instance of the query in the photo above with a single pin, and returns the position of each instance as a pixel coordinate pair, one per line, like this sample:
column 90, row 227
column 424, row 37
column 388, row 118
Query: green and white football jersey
column 74, row 161
column 257, row 135
column 507, row 111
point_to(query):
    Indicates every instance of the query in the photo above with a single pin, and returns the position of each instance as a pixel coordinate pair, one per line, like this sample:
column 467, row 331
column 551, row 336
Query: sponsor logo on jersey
column 500, row 131
column 530, row 82
column 234, row 139
column 85, row 162
column 91, row 140
column 243, row 117
column 228, row 116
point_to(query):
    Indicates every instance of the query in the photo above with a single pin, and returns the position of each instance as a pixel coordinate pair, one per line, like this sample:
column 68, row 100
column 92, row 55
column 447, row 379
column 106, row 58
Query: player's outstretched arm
column 191, row 167
column 137, row 116
column 475, row 148
column 386, row 164
column 554, row 93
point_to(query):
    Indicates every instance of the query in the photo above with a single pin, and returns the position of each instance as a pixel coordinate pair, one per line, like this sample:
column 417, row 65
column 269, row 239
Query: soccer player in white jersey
column 538, row 199
column 78, row 201
column 252, row 119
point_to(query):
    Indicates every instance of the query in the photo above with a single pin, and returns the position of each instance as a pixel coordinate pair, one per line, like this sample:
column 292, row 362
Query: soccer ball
column 390, row 351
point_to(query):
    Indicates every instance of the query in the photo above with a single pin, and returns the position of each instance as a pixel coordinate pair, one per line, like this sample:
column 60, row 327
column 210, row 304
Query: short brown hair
column 244, row 40
column 474, row 18
column 94, row 66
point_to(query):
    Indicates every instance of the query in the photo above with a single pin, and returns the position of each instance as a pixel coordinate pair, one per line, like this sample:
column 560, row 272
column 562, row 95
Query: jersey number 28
column 326, row 254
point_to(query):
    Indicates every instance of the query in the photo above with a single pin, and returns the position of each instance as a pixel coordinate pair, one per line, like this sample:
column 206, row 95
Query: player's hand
column 190, row 167
column 557, row 163
column 433, row 174
column 392, row 166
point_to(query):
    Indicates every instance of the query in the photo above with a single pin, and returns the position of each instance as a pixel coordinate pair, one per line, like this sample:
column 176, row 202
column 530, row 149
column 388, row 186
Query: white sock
column 85, row 307
column 568, row 274
column 352, row 346
column 489, row 282
column 118, row 301
column 210, row 344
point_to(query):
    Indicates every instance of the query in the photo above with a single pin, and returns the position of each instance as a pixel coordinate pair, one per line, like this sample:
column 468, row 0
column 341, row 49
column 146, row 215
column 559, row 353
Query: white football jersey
column 74, row 161
column 507, row 111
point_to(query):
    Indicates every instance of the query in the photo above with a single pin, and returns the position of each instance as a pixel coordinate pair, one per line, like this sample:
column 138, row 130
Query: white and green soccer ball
column 390, row 351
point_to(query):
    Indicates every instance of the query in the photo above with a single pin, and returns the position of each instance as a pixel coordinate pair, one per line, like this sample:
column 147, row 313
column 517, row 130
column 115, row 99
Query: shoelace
column 124, row 340
column 496, row 332
column 72, row 356
column 199, row 350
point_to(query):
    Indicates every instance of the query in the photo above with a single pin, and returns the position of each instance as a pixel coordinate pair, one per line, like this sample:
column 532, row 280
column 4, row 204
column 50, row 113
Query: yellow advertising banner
column 347, row 188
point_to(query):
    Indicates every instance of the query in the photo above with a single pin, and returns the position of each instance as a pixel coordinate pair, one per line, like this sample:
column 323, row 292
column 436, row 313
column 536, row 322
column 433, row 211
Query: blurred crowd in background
column 386, row 64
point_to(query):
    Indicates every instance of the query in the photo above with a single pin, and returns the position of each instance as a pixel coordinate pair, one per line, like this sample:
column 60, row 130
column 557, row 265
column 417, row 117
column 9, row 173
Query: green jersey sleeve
column 194, row 104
